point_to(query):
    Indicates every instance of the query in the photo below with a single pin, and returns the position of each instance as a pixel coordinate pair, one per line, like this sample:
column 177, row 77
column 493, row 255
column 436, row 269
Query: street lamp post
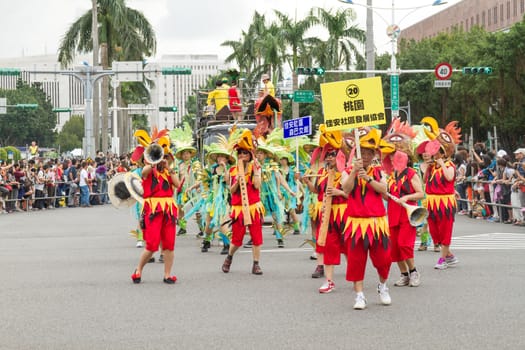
column 393, row 31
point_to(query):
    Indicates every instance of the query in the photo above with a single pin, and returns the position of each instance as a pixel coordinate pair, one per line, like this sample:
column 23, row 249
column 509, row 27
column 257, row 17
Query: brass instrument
column 326, row 210
column 244, row 194
column 416, row 214
column 154, row 154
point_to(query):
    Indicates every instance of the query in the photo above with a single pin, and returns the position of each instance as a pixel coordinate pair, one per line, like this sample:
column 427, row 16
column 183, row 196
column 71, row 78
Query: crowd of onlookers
column 491, row 185
column 39, row 184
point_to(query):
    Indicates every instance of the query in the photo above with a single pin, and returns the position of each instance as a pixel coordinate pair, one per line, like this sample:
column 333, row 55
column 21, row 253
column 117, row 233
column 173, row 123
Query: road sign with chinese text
column 353, row 103
column 303, row 96
column 442, row 83
column 297, row 127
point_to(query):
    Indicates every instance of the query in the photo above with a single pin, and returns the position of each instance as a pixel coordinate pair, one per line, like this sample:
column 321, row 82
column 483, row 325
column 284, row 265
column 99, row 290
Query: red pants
column 402, row 239
column 441, row 229
column 357, row 257
column 160, row 228
column 239, row 230
column 332, row 248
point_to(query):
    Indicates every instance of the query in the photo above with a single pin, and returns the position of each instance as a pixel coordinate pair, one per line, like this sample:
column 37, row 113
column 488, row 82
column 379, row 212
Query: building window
column 483, row 19
column 514, row 8
column 471, row 22
column 489, row 17
column 495, row 15
column 501, row 13
column 477, row 19
column 508, row 10
column 522, row 6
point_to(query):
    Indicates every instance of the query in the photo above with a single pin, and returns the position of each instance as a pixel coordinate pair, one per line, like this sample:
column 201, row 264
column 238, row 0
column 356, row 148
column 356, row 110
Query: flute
column 326, row 209
column 247, row 219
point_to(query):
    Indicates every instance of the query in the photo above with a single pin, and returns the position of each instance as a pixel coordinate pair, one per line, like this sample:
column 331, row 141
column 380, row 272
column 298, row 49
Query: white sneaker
column 402, row 281
column 451, row 260
column 140, row 244
column 384, row 296
column 414, row 279
column 360, row 302
column 327, row 287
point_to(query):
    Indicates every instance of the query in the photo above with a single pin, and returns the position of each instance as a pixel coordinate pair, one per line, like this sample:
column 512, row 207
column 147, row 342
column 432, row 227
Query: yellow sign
column 353, row 103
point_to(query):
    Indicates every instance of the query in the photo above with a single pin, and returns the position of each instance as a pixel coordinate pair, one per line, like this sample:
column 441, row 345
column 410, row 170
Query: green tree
column 344, row 37
column 72, row 133
column 21, row 126
column 124, row 35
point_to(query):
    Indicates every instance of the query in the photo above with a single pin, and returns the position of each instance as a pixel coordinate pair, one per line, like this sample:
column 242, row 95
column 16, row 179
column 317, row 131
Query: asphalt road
column 66, row 285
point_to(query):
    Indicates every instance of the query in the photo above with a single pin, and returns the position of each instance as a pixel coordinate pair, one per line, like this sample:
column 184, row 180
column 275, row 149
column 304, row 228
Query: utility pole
column 370, row 49
column 94, row 38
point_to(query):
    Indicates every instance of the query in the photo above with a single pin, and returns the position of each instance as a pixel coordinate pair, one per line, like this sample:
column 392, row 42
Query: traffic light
column 9, row 71
column 477, row 70
column 286, row 96
column 310, row 71
column 176, row 71
column 168, row 109
column 26, row 106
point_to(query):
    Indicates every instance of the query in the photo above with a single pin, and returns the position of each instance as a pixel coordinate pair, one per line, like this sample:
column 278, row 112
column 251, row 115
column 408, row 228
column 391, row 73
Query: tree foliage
column 71, row 135
column 19, row 127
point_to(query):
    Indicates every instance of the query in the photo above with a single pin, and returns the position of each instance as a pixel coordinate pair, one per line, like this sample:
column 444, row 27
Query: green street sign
column 10, row 71
column 394, row 92
column 26, row 106
column 176, row 71
column 303, row 96
column 58, row 110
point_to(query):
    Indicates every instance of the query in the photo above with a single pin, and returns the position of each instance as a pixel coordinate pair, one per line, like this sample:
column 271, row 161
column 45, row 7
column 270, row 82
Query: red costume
column 366, row 229
column 441, row 203
column 256, row 209
column 333, row 247
column 160, row 211
column 234, row 101
column 402, row 234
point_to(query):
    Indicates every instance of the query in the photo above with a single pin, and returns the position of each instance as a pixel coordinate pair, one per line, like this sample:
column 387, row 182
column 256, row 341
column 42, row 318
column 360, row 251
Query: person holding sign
column 366, row 232
column 330, row 206
column 246, row 207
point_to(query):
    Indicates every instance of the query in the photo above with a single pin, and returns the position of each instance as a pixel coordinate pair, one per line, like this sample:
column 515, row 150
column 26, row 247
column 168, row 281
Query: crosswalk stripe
column 488, row 241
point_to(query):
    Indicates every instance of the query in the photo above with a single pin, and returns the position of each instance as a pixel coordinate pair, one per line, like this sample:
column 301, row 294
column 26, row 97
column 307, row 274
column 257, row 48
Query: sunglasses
column 243, row 151
column 331, row 154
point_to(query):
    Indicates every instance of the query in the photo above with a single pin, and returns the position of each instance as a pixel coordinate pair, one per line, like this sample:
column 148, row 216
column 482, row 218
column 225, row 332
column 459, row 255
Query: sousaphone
column 125, row 189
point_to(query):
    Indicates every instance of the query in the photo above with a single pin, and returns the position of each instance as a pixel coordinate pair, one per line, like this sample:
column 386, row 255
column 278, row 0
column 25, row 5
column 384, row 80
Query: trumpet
column 416, row 214
column 154, row 154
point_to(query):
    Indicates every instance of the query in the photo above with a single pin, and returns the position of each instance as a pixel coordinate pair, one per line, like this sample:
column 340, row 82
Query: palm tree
column 124, row 34
column 292, row 34
column 341, row 46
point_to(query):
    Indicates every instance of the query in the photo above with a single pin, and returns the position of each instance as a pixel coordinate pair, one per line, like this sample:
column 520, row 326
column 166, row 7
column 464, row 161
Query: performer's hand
column 358, row 164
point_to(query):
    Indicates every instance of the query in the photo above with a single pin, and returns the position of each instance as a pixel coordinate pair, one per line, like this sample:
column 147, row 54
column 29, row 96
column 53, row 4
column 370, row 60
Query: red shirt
column 400, row 186
column 157, row 184
column 253, row 193
column 435, row 181
column 363, row 200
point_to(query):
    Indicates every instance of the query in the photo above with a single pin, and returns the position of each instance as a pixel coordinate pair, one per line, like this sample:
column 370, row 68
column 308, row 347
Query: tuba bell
column 154, row 153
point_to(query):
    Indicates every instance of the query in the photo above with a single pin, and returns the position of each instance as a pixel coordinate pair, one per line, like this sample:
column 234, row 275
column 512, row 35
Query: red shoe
column 170, row 280
column 136, row 277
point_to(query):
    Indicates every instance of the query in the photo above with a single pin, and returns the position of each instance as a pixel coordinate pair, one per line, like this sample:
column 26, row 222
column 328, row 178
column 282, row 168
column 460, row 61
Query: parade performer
column 330, row 206
column 247, row 210
column 216, row 193
column 159, row 214
column 404, row 184
column 366, row 232
column 439, row 174
column 288, row 188
column 182, row 139
column 269, row 191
